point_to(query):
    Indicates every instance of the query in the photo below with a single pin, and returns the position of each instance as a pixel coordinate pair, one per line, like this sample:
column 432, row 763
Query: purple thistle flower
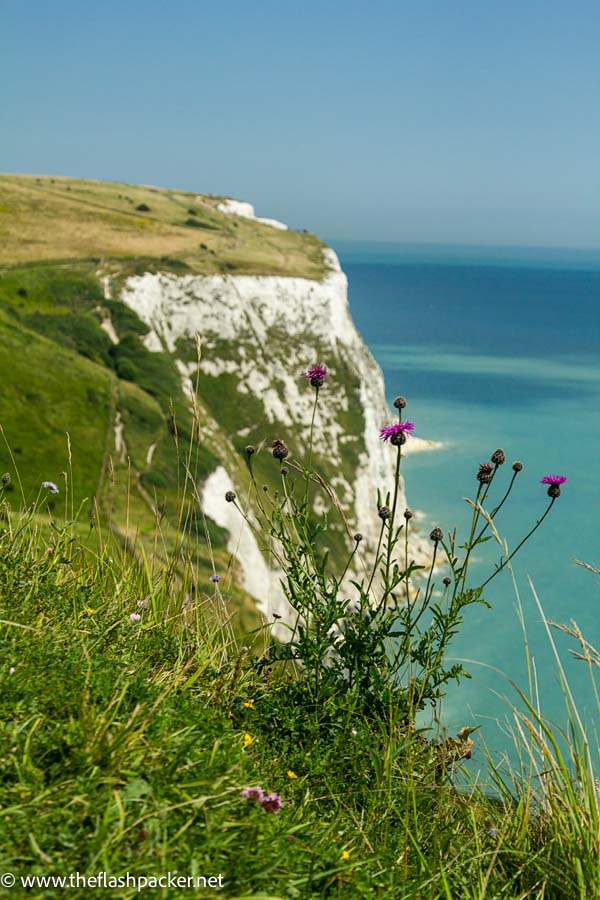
column 134, row 617
column 215, row 578
column 316, row 372
column 253, row 793
column 271, row 803
column 397, row 428
column 554, row 482
column 51, row 487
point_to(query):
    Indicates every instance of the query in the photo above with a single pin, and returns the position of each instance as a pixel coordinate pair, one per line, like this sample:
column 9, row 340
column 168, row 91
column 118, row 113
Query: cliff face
column 258, row 334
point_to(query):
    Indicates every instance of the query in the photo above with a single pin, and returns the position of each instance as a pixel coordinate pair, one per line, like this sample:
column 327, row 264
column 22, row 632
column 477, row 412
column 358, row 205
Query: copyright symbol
column 7, row 880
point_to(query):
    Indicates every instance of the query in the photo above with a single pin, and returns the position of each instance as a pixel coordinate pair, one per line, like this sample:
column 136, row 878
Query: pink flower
column 49, row 549
column 134, row 617
column 553, row 479
column 271, row 803
column 253, row 793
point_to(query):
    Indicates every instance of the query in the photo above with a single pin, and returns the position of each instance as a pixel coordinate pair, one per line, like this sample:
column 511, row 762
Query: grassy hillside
column 127, row 226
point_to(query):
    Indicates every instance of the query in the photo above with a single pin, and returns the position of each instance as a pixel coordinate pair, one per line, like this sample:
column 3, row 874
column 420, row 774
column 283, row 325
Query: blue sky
column 461, row 122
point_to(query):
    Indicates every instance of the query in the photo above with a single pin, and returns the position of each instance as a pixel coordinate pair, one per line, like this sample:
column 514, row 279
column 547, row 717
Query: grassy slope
column 130, row 755
column 67, row 219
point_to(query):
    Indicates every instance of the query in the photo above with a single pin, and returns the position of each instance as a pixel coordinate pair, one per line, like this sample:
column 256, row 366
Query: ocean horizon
column 498, row 347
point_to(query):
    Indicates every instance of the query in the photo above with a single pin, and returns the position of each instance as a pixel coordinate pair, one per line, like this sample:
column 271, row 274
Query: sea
column 499, row 347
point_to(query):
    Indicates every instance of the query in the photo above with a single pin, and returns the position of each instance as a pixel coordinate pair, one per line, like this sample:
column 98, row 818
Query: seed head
column 6, row 478
column 517, row 466
column 447, row 580
column 485, row 473
column 384, row 513
column 230, row 496
column 280, row 451
column 250, row 450
column 400, row 402
column 408, row 514
column 284, row 470
column 358, row 537
column 499, row 457
column 436, row 535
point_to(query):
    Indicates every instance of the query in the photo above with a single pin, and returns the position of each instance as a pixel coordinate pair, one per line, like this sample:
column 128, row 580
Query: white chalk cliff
column 263, row 331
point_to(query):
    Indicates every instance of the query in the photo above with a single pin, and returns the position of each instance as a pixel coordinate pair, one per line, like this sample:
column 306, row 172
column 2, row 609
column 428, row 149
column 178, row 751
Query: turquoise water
column 497, row 347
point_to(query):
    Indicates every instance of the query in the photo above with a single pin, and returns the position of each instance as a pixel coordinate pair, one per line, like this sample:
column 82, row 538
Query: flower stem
column 519, row 545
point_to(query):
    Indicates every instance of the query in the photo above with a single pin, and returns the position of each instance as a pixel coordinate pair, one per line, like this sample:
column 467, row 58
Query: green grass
column 123, row 749
column 69, row 219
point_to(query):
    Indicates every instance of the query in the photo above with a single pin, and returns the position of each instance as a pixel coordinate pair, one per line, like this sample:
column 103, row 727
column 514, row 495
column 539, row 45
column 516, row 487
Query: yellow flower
column 291, row 774
column 91, row 611
column 345, row 855
column 249, row 704
column 248, row 739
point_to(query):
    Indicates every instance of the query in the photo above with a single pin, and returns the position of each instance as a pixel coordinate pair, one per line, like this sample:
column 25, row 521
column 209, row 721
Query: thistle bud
column 498, row 457
column 250, row 450
column 384, row 513
column 436, row 535
column 485, row 473
column 447, row 581
column 400, row 402
column 408, row 514
column 230, row 496
column 6, row 478
column 280, row 450
column 517, row 466
column 358, row 537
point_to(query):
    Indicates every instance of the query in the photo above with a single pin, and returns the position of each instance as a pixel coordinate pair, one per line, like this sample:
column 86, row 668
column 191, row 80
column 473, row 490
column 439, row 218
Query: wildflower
column 134, row 617
column 230, row 496
column 384, row 513
column 280, row 450
column 271, row 803
column 555, row 482
column 249, row 704
column 51, row 487
column 49, row 549
column 215, row 578
column 493, row 832
column 142, row 604
column 353, row 731
column 11, row 671
column 253, row 793
column 436, row 535
column 90, row 611
column 485, row 473
column 400, row 402
column 345, row 855
column 396, row 433
column 6, row 478
column 517, row 466
column 291, row 774
column 317, row 375
column 248, row 739
column 498, row 457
